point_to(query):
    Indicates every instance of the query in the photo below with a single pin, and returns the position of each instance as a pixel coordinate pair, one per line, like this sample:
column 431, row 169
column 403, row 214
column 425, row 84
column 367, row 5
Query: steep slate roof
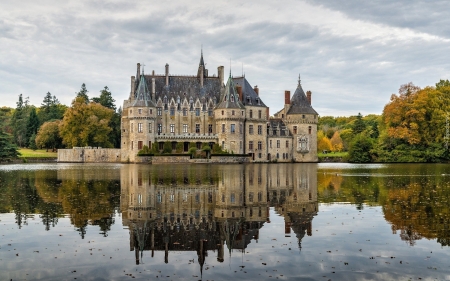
column 230, row 98
column 142, row 94
column 248, row 92
column 278, row 124
column 299, row 102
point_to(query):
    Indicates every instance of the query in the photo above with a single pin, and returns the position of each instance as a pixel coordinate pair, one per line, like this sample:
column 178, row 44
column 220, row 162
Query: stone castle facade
column 202, row 109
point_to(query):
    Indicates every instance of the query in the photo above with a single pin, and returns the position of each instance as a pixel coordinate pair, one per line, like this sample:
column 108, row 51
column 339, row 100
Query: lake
column 328, row 221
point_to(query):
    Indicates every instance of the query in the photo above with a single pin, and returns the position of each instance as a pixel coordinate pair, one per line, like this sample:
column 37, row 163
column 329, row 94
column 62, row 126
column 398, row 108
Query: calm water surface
column 201, row 222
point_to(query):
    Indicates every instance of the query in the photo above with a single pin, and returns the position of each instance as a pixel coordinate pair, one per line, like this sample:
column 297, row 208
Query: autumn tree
column 107, row 100
column 336, row 142
column 414, row 124
column 48, row 135
column 86, row 124
column 323, row 143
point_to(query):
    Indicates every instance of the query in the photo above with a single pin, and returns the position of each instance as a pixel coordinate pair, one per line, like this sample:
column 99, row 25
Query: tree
column 83, row 93
column 105, row 99
column 324, row 144
column 86, row 124
column 358, row 125
column 48, row 135
column 360, row 149
column 19, row 122
column 442, row 83
column 336, row 142
column 7, row 147
column 32, row 124
column 50, row 109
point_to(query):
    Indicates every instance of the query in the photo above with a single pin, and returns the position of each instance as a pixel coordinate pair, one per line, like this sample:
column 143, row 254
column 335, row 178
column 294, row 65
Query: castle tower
column 230, row 116
column 138, row 122
column 301, row 120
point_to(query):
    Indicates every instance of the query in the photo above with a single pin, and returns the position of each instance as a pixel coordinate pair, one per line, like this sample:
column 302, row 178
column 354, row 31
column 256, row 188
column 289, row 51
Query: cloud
column 351, row 56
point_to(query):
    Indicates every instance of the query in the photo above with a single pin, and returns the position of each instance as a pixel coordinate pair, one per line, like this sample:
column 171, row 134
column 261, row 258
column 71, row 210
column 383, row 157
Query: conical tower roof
column 299, row 102
column 143, row 97
column 230, row 98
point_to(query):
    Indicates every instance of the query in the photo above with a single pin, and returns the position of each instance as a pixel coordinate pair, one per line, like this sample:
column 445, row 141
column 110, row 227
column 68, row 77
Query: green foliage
column 217, row 149
column 50, row 109
column 48, row 135
column 144, row 151
column 32, row 125
column 19, row 122
column 442, row 84
column 358, row 125
column 192, row 151
column 105, row 99
column 7, row 148
column 360, row 149
column 155, row 149
column 179, row 147
column 5, row 119
column 83, row 94
column 32, row 143
column 167, row 148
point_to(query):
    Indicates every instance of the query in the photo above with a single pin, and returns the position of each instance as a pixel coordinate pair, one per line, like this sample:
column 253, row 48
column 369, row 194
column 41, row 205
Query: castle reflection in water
column 217, row 208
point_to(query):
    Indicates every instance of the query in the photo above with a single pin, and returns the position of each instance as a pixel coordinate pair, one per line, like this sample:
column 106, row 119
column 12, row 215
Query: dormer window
column 232, row 98
column 258, row 101
column 140, row 110
column 248, row 100
column 165, row 99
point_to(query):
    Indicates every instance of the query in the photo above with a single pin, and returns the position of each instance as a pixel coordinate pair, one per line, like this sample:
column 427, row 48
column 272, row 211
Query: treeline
column 87, row 122
column 413, row 127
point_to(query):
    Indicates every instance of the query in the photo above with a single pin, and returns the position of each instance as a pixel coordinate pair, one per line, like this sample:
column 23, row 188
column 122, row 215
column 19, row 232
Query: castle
column 202, row 109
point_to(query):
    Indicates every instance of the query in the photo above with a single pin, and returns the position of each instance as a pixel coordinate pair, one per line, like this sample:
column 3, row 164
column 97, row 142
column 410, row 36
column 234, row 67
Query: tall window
column 197, row 111
column 309, row 130
column 278, row 143
column 287, row 144
column 159, row 128
column 185, row 128
column 295, row 130
column 250, row 129
column 223, row 128
column 197, row 128
column 159, row 111
column 270, row 143
column 259, row 145
column 184, row 111
column 240, row 128
column 139, row 127
column 232, row 112
column 232, row 129
column 259, row 114
column 139, row 145
column 251, row 113
column 172, row 111
column 259, row 129
column 172, row 128
column 210, row 128
column 250, row 145
column 150, row 127
column 210, row 112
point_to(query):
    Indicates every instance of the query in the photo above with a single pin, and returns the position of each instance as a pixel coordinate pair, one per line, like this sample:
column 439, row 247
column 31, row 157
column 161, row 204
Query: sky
column 352, row 55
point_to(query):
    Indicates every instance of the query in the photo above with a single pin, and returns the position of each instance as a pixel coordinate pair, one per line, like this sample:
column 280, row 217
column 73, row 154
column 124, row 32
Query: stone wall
column 171, row 159
column 89, row 155
column 230, row 159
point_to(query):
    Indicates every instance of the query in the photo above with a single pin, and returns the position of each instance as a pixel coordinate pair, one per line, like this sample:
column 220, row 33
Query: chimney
column 138, row 72
column 133, row 83
column 220, row 74
column 308, row 96
column 256, row 90
column 267, row 113
column 167, row 74
column 239, row 90
column 153, row 72
column 287, row 97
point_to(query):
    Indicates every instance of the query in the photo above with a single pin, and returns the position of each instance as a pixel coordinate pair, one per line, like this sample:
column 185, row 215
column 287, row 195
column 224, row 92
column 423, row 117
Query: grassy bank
column 38, row 153
column 333, row 157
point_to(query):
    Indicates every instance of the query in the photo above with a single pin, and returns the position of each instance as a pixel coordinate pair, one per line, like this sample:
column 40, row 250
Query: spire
column 201, row 66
